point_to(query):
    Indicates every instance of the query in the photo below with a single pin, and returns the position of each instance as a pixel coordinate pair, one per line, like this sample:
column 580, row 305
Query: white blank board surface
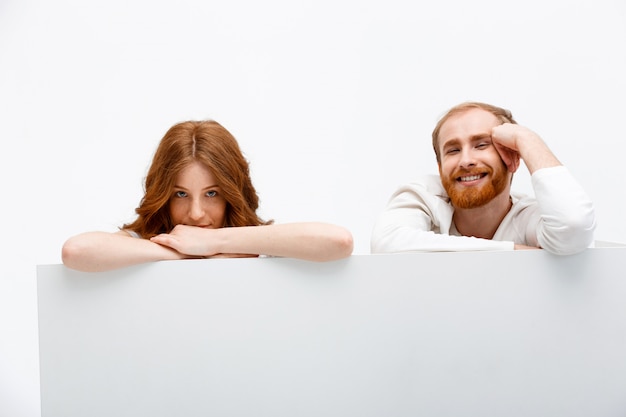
column 419, row 334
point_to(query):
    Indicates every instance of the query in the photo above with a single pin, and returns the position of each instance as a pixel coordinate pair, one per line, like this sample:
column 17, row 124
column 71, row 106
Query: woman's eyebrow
column 205, row 188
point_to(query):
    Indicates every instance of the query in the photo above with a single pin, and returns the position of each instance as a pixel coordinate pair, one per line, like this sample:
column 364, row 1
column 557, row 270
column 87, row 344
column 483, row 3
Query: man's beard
column 473, row 197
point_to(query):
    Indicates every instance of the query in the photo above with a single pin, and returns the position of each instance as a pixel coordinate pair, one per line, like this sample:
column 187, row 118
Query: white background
column 332, row 101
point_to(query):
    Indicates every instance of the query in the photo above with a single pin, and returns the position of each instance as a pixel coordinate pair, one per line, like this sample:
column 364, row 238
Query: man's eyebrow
column 451, row 142
column 480, row 136
column 473, row 138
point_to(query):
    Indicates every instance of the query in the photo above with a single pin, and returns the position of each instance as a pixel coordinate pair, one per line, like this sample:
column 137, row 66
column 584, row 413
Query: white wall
column 332, row 101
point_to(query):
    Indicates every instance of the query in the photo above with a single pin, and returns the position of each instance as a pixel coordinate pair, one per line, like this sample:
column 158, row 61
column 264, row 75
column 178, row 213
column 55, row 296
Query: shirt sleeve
column 418, row 218
column 568, row 220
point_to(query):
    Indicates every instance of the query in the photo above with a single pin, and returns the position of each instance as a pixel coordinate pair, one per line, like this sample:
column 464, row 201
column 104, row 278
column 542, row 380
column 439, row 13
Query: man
column 469, row 206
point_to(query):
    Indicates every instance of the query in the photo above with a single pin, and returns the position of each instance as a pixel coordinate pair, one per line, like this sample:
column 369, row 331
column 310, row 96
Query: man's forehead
column 470, row 122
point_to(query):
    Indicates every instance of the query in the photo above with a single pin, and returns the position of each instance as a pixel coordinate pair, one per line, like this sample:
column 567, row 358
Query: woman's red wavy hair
column 211, row 144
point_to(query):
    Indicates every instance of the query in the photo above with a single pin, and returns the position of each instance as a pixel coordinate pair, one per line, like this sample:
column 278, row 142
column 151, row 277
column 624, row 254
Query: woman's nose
column 196, row 211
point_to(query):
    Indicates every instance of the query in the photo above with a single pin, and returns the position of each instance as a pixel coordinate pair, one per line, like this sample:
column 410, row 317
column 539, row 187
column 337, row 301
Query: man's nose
column 468, row 159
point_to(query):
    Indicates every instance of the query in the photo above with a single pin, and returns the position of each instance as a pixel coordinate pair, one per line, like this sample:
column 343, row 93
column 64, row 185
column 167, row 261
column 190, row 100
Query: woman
column 199, row 202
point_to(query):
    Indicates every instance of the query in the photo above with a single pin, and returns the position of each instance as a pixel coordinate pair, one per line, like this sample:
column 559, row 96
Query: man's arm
column 567, row 221
column 567, row 215
column 418, row 218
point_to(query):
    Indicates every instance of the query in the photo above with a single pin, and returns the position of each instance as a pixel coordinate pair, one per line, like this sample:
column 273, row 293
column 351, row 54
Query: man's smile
column 471, row 178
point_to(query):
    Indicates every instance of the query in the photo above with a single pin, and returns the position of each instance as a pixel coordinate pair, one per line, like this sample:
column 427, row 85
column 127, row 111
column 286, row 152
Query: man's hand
column 513, row 142
column 505, row 138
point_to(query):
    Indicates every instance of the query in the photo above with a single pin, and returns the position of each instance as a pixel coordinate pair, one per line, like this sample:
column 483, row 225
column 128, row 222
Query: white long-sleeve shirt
column 418, row 217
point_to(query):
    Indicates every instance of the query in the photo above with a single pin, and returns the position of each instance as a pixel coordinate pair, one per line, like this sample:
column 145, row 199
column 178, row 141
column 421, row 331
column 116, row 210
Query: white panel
column 442, row 334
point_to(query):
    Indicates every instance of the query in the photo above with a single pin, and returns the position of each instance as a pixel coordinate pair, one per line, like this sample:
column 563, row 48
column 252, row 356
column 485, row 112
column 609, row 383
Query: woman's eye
column 211, row 193
column 482, row 145
column 180, row 194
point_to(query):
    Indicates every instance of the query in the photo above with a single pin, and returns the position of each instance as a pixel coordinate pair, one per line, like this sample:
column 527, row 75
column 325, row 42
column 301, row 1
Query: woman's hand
column 312, row 241
column 189, row 240
column 232, row 255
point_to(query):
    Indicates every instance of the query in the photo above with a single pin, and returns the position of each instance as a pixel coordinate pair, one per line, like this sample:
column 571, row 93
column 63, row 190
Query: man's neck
column 483, row 221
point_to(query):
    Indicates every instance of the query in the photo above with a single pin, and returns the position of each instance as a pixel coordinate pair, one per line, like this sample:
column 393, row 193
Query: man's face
column 471, row 169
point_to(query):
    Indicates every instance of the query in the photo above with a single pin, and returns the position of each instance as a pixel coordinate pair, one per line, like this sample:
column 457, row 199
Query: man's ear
column 515, row 166
column 514, row 163
column 510, row 157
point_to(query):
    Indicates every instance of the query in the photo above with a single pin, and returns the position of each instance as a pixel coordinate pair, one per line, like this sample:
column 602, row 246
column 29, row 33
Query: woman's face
column 196, row 199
